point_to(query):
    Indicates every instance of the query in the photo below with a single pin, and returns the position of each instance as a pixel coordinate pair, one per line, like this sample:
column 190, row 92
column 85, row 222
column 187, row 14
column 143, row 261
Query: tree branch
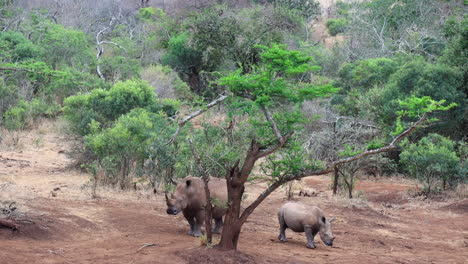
column 27, row 70
column 330, row 167
column 280, row 144
column 100, row 49
column 258, row 201
column 387, row 148
column 223, row 96
column 113, row 43
column 272, row 122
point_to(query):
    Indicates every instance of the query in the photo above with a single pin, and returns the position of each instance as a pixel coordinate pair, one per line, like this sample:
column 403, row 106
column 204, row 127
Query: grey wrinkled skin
column 308, row 219
column 189, row 198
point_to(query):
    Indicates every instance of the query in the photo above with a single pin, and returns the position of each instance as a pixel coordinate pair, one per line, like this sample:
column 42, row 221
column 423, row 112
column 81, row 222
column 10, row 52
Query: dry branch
column 272, row 122
column 100, row 48
column 223, row 96
column 146, row 245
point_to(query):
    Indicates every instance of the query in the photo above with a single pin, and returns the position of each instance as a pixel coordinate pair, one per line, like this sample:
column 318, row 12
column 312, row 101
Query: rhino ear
column 188, row 182
column 331, row 219
column 165, row 196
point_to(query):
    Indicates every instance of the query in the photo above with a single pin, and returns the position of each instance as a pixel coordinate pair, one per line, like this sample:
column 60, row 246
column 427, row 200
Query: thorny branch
column 272, row 122
column 223, row 96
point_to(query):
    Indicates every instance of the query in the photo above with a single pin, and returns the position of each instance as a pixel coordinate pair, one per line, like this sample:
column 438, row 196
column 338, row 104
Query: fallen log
column 9, row 224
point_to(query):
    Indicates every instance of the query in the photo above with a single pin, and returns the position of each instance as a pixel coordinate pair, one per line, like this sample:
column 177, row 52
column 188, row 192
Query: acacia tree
column 270, row 89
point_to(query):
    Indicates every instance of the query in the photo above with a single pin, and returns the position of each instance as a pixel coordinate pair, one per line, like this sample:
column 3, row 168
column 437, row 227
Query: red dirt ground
column 384, row 225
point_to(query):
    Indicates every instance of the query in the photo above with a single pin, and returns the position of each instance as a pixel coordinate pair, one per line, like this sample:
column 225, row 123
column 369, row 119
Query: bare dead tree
column 100, row 46
column 333, row 131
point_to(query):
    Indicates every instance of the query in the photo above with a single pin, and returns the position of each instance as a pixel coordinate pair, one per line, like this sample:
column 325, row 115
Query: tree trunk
column 235, row 180
column 230, row 234
column 335, row 180
column 232, row 223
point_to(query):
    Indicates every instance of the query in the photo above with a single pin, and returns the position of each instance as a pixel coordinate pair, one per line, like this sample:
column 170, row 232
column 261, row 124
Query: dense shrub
column 123, row 147
column 63, row 46
column 15, row 47
column 105, row 106
column 421, row 78
column 119, row 68
column 357, row 79
column 23, row 114
column 433, row 162
column 336, row 26
column 365, row 74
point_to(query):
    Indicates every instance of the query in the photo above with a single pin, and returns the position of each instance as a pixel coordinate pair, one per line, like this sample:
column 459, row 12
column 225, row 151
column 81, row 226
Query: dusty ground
column 385, row 225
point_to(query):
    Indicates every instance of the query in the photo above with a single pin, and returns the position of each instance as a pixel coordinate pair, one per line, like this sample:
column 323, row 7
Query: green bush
column 124, row 145
column 357, row 79
column 119, row 68
column 15, row 117
column 106, row 106
column 433, row 162
column 64, row 46
column 23, row 114
column 136, row 137
column 420, row 78
column 181, row 56
column 336, row 26
column 15, row 47
column 8, row 96
column 365, row 74
column 456, row 51
column 70, row 83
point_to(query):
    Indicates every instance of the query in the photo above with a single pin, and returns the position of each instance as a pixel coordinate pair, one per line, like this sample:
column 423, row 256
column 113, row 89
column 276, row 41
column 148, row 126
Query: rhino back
column 196, row 198
column 218, row 193
column 297, row 216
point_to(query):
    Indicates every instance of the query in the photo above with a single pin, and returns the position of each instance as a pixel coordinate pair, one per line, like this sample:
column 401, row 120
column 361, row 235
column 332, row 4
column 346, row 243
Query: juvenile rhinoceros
column 189, row 198
column 303, row 218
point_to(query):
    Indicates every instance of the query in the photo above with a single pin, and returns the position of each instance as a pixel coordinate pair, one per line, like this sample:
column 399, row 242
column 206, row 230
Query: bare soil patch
column 204, row 255
column 385, row 226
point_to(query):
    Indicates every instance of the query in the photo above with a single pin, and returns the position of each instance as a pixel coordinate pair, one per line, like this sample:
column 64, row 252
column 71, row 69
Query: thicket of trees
column 129, row 78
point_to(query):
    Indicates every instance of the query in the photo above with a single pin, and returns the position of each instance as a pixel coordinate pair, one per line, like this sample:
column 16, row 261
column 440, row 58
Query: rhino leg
column 199, row 219
column 218, row 225
column 191, row 221
column 310, row 237
column 283, row 226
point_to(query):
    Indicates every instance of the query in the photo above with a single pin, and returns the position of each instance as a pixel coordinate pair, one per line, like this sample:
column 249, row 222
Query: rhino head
column 326, row 231
column 177, row 201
